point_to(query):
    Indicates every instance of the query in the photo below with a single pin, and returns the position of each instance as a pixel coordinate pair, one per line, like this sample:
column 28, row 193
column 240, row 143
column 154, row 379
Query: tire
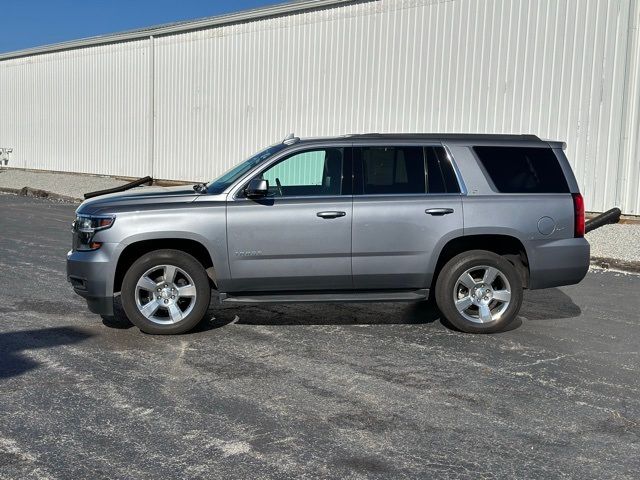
column 468, row 297
column 162, row 307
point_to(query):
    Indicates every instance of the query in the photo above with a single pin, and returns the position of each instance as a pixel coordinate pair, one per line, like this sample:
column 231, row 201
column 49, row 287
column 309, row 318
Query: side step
column 314, row 297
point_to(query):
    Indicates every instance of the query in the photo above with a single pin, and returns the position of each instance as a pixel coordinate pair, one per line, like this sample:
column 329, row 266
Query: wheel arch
column 136, row 249
column 511, row 248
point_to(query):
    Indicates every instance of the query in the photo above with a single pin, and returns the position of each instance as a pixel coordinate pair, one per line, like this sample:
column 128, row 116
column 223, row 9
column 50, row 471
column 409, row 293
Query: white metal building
column 186, row 101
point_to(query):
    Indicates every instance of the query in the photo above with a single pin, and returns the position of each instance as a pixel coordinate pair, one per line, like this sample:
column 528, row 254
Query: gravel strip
column 68, row 185
column 620, row 242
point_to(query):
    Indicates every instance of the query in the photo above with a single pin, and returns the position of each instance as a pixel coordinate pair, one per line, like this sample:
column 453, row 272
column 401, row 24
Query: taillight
column 578, row 215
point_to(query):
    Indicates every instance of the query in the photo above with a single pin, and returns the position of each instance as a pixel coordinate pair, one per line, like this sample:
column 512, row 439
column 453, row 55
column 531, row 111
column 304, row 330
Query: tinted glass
column 440, row 175
column 401, row 170
column 392, row 170
column 226, row 180
column 309, row 173
column 522, row 169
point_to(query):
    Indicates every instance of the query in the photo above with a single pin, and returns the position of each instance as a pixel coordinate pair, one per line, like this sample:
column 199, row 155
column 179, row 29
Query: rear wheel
column 165, row 292
column 479, row 292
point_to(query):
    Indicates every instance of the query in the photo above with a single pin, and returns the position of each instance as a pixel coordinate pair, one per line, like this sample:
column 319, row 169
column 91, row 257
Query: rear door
column 407, row 204
column 299, row 236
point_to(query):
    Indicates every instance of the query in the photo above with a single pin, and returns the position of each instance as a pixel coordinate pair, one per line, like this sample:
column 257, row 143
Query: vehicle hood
column 138, row 198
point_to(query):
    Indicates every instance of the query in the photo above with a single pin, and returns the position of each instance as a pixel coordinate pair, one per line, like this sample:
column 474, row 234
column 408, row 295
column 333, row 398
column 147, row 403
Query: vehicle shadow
column 322, row 314
column 14, row 362
column 301, row 314
column 118, row 320
column 549, row 304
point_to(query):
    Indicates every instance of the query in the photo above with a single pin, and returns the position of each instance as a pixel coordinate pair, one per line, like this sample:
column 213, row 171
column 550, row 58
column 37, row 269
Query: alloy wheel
column 165, row 294
column 482, row 294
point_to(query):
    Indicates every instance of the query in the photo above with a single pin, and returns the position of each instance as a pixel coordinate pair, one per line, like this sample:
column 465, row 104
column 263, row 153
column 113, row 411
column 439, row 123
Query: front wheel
column 165, row 292
column 479, row 292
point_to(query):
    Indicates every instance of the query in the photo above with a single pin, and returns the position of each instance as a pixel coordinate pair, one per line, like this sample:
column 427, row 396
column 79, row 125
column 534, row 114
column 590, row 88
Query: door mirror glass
column 257, row 188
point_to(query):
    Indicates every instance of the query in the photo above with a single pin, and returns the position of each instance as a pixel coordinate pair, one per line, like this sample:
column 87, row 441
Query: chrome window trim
column 386, row 195
column 298, row 197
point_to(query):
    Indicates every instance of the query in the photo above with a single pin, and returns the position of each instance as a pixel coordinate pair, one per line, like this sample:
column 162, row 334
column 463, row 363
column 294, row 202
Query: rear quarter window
column 522, row 169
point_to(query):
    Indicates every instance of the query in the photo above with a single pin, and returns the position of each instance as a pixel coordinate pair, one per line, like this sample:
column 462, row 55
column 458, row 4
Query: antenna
column 290, row 139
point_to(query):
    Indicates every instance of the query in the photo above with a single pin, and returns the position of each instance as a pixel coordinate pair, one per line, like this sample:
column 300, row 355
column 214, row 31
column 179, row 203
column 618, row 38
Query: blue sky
column 31, row 23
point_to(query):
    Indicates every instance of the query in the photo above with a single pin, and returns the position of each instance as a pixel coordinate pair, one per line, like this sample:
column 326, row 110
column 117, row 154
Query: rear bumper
column 558, row 262
column 91, row 276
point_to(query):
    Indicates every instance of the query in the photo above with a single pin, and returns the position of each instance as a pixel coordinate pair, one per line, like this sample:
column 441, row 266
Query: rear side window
column 523, row 169
column 393, row 170
column 404, row 170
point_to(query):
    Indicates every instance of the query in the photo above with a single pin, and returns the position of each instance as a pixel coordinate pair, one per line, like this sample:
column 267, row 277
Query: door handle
column 331, row 214
column 438, row 211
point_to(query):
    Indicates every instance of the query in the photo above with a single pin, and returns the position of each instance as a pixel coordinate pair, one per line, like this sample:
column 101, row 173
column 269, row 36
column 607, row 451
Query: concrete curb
column 616, row 264
column 156, row 181
column 34, row 192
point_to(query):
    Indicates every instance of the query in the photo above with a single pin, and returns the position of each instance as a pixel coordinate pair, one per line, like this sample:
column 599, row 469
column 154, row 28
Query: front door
column 299, row 236
column 406, row 205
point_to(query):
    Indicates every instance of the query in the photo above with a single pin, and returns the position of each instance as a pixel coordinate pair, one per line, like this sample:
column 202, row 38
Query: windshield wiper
column 200, row 187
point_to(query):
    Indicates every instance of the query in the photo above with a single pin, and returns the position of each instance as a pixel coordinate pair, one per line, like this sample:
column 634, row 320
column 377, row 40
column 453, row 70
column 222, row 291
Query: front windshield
column 223, row 182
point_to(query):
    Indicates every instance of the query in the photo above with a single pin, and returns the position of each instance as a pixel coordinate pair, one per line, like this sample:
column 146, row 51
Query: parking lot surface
column 309, row 391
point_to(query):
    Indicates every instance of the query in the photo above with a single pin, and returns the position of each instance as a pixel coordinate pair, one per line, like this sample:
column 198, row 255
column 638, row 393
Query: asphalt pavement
column 309, row 391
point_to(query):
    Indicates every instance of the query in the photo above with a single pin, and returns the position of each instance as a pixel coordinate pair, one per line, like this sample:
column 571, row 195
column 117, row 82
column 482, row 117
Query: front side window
column 315, row 172
column 401, row 170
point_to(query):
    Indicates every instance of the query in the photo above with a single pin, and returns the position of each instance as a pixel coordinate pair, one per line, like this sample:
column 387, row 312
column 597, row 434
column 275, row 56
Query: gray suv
column 469, row 219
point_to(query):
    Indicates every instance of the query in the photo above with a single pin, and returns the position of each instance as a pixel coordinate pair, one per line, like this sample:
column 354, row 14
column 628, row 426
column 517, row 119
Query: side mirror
column 257, row 188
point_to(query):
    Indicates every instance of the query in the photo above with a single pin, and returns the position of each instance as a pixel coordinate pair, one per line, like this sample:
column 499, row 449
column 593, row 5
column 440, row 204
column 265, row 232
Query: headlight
column 92, row 223
column 85, row 227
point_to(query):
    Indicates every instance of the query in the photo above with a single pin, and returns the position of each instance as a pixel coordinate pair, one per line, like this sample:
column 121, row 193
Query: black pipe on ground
column 606, row 218
column 121, row 188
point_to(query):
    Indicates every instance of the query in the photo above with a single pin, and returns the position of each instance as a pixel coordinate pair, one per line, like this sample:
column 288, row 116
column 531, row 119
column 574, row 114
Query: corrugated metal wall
column 561, row 69
column 628, row 181
column 84, row 110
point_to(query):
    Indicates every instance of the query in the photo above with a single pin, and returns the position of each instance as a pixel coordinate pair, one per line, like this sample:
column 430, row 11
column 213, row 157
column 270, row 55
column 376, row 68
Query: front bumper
column 91, row 276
